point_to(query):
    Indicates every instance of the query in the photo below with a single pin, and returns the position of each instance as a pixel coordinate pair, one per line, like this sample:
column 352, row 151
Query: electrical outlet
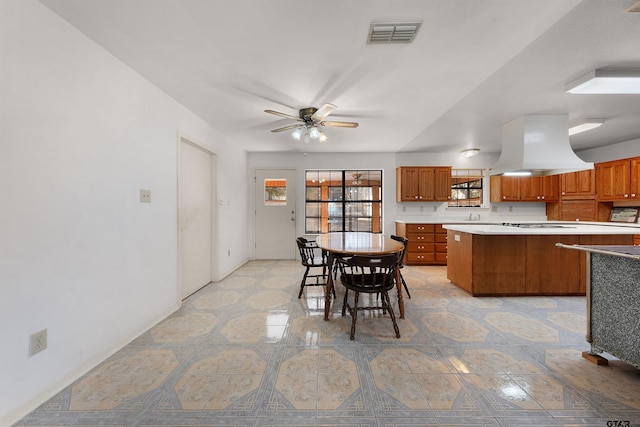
column 145, row 196
column 38, row 342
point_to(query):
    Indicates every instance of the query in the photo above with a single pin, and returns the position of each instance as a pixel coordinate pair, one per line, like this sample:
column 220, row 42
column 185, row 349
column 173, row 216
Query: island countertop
column 546, row 228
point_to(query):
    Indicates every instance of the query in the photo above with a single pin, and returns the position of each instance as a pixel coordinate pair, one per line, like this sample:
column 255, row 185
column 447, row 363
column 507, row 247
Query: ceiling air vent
column 393, row 32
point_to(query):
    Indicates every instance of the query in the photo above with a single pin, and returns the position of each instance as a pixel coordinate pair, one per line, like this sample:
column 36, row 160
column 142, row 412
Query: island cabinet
column 423, row 183
column 427, row 243
column 524, row 188
column 618, row 179
column 518, row 264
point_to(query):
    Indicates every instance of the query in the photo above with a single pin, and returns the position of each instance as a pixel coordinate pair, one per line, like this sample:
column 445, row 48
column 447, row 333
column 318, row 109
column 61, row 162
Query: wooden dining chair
column 371, row 275
column 312, row 257
column 404, row 242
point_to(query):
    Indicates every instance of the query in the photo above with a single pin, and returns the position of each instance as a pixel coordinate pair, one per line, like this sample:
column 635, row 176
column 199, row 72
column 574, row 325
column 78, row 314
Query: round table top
column 360, row 243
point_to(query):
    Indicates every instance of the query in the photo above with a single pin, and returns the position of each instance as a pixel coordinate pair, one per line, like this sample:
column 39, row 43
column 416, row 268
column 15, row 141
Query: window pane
column 335, row 193
column 312, row 225
column 313, row 210
column 275, row 192
column 313, row 193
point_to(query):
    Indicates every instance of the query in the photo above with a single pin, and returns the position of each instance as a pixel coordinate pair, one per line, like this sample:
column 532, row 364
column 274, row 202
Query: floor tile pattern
column 246, row 351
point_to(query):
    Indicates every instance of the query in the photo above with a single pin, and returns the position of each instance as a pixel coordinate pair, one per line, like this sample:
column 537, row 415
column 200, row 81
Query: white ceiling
column 474, row 65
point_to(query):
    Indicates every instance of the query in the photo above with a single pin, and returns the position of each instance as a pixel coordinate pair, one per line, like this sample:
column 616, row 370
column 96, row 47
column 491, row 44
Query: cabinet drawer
column 417, row 258
column 441, row 248
column 420, row 247
column 441, row 238
column 420, row 228
column 441, row 258
column 421, row 238
column 439, row 229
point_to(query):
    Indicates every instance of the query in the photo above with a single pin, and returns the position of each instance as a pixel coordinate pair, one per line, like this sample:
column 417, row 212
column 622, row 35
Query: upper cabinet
column 423, row 183
column 578, row 185
column 618, row 179
column 524, row 188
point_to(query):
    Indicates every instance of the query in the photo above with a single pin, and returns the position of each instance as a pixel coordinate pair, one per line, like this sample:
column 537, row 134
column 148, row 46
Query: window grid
column 343, row 200
column 466, row 187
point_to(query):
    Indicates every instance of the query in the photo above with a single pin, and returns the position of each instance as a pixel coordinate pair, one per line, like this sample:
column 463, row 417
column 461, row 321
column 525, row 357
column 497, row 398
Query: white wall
column 80, row 256
column 621, row 150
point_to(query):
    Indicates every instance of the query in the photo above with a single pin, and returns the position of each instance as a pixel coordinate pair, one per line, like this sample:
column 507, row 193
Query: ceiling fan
column 309, row 120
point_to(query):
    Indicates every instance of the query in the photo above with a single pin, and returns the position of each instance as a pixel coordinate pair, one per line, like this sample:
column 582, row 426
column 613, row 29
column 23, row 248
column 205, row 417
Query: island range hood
column 537, row 145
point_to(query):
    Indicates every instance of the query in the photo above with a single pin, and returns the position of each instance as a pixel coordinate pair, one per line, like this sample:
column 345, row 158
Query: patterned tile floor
column 247, row 352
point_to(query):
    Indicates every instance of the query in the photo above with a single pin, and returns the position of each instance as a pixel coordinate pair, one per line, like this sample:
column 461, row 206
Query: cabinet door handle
column 633, row 194
column 626, row 195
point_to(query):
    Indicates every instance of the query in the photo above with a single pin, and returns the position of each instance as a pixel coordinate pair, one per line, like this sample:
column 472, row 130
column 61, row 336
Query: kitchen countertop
column 546, row 228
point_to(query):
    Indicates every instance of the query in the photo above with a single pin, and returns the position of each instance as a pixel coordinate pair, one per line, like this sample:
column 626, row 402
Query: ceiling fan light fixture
column 297, row 134
column 583, row 125
column 606, row 82
column 323, row 137
column 314, row 133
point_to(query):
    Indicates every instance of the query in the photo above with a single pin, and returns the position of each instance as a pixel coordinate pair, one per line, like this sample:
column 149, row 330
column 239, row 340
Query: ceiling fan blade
column 287, row 116
column 340, row 124
column 285, row 128
column 323, row 112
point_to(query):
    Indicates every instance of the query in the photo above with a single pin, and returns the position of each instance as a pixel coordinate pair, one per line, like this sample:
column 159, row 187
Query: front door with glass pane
column 275, row 214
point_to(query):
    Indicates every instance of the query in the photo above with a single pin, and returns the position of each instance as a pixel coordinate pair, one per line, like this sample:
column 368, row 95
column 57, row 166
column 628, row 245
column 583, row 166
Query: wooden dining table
column 357, row 243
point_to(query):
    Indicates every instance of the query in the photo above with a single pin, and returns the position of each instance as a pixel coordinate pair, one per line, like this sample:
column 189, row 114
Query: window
column 275, row 192
column 466, row 187
column 343, row 200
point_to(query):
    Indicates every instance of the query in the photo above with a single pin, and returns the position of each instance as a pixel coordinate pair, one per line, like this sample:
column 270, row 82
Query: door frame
column 182, row 137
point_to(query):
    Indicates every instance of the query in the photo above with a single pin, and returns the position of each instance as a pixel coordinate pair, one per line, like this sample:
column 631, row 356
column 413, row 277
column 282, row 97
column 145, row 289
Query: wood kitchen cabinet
column 423, row 183
column 427, row 243
column 618, row 179
column 540, row 188
column 504, row 188
column 578, row 185
column 524, row 188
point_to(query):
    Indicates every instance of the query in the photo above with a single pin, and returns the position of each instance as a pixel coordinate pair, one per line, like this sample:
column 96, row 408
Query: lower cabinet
column 427, row 243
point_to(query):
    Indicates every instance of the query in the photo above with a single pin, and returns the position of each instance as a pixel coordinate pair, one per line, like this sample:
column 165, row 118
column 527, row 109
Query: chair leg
column 303, row 282
column 344, row 301
column 354, row 316
column 385, row 299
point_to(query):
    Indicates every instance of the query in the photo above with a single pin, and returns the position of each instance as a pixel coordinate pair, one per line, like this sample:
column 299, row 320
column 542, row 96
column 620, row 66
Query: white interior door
column 195, row 217
column 275, row 215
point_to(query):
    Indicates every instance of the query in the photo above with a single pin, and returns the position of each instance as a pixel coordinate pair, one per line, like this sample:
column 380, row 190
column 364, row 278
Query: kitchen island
column 522, row 259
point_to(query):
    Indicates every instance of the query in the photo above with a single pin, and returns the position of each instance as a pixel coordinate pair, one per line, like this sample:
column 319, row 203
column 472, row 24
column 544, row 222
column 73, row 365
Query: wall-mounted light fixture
column 583, row 125
column 470, row 152
column 606, row 82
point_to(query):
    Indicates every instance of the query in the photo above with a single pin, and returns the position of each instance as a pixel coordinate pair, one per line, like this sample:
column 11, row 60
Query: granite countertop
column 545, row 228
column 626, row 251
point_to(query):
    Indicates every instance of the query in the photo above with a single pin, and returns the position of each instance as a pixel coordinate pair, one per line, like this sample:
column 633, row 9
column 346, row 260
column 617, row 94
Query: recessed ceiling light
column 607, row 82
column 470, row 152
column 583, row 125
